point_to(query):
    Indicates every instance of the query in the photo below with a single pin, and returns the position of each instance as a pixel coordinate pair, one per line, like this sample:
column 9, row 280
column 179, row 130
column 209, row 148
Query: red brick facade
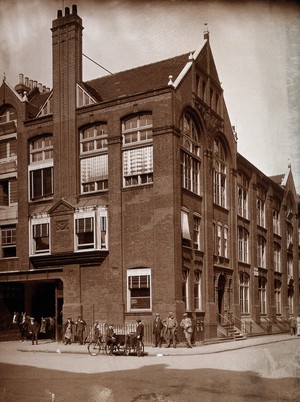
column 175, row 239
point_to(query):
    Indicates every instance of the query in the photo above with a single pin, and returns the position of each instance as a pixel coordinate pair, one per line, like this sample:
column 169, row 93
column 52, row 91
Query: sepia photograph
column 149, row 200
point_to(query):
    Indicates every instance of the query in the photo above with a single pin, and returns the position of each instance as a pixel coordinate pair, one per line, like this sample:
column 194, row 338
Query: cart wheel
column 140, row 349
column 94, row 348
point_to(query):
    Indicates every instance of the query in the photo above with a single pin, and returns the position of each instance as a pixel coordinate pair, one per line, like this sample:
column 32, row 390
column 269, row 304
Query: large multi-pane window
column 260, row 207
column 139, row 289
column 8, row 241
column 8, row 157
column 243, row 238
column 197, row 291
column 185, row 288
column 190, row 155
column 290, row 267
column 196, row 232
column 219, row 174
column 289, row 235
column 40, row 236
column 93, row 158
column 243, row 186
column 221, row 239
column 185, row 228
column 291, row 299
column 244, row 293
column 277, row 294
column 8, row 192
column 261, row 251
column 276, row 218
column 262, row 294
column 137, row 150
column 91, row 229
column 41, row 167
column 277, row 257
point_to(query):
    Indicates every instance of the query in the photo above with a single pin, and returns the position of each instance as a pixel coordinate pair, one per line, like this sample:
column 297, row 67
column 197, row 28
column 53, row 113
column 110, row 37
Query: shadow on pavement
column 149, row 383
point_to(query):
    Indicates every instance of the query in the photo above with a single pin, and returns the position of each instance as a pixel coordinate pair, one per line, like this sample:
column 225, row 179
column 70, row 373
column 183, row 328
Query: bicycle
column 96, row 346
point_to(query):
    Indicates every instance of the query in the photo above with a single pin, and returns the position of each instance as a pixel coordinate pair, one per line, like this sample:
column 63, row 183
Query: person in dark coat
column 293, row 325
column 33, row 330
column 170, row 323
column 157, row 328
column 110, row 338
column 80, row 328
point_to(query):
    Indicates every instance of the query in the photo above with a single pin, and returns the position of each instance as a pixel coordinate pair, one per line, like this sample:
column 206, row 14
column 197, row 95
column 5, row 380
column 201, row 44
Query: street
column 266, row 371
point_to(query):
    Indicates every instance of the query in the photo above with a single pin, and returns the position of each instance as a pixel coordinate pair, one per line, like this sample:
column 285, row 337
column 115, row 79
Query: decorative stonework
column 62, row 225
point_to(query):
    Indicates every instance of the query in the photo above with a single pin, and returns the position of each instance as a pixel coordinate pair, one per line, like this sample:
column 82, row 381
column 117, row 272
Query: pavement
column 47, row 346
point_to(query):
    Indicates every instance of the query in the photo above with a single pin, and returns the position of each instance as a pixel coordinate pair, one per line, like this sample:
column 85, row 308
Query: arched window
column 41, row 167
column 137, row 150
column 197, row 291
column 277, row 293
column 244, row 293
column 243, row 186
column 93, row 158
column 190, row 155
column 243, row 237
column 262, row 294
column 277, row 257
column 261, row 251
column 219, row 174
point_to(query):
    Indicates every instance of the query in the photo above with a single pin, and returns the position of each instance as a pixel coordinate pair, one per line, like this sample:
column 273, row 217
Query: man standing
column 157, row 328
column 293, row 325
column 298, row 325
column 186, row 325
column 171, row 325
column 80, row 327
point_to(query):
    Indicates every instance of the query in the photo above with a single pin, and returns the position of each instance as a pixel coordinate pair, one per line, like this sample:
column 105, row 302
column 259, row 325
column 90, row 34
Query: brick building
column 125, row 196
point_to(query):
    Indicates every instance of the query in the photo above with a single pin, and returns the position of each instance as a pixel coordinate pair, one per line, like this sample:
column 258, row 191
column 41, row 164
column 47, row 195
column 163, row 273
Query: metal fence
column 126, row 329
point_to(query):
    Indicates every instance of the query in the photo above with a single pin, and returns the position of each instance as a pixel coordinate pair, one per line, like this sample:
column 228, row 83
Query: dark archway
column 221, row 292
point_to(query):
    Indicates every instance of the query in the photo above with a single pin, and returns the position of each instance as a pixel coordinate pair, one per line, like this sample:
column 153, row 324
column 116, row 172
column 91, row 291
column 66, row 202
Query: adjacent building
column 125, row 196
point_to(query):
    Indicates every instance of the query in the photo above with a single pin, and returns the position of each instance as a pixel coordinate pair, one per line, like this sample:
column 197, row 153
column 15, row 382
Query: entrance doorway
column 221, row 292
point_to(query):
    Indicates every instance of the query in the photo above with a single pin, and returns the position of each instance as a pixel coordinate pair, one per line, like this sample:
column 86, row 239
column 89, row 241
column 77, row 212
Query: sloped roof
column 138, row 80
column 277, row 178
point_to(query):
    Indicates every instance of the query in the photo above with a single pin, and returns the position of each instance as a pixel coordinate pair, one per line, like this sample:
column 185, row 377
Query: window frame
column 141, row 141
column 197, row 290
column 41, row 171
column 138, row 273
column 244, row 292
column 262, row 294
column 12, row 245
column 243, row 245
column 33, row 243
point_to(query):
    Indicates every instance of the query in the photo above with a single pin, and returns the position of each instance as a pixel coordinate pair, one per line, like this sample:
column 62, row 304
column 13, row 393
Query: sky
column 255, row 44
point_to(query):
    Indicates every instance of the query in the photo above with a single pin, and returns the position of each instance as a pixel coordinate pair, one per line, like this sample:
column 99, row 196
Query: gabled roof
column 278, row 178
column 138, row 80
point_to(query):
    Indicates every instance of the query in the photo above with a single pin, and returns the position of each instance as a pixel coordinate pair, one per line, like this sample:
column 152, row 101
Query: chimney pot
column 21, row 78
column 26, row 81
column 74, row 9
column 59, row 13
column 67, row 11
column 34, row 84
column 30, row 84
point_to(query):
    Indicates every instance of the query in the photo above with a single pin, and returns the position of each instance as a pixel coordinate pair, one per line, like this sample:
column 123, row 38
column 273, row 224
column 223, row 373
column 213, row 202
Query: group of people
column 110, row 337
column 167, row 329
column 295, row 325
column 80, row 325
